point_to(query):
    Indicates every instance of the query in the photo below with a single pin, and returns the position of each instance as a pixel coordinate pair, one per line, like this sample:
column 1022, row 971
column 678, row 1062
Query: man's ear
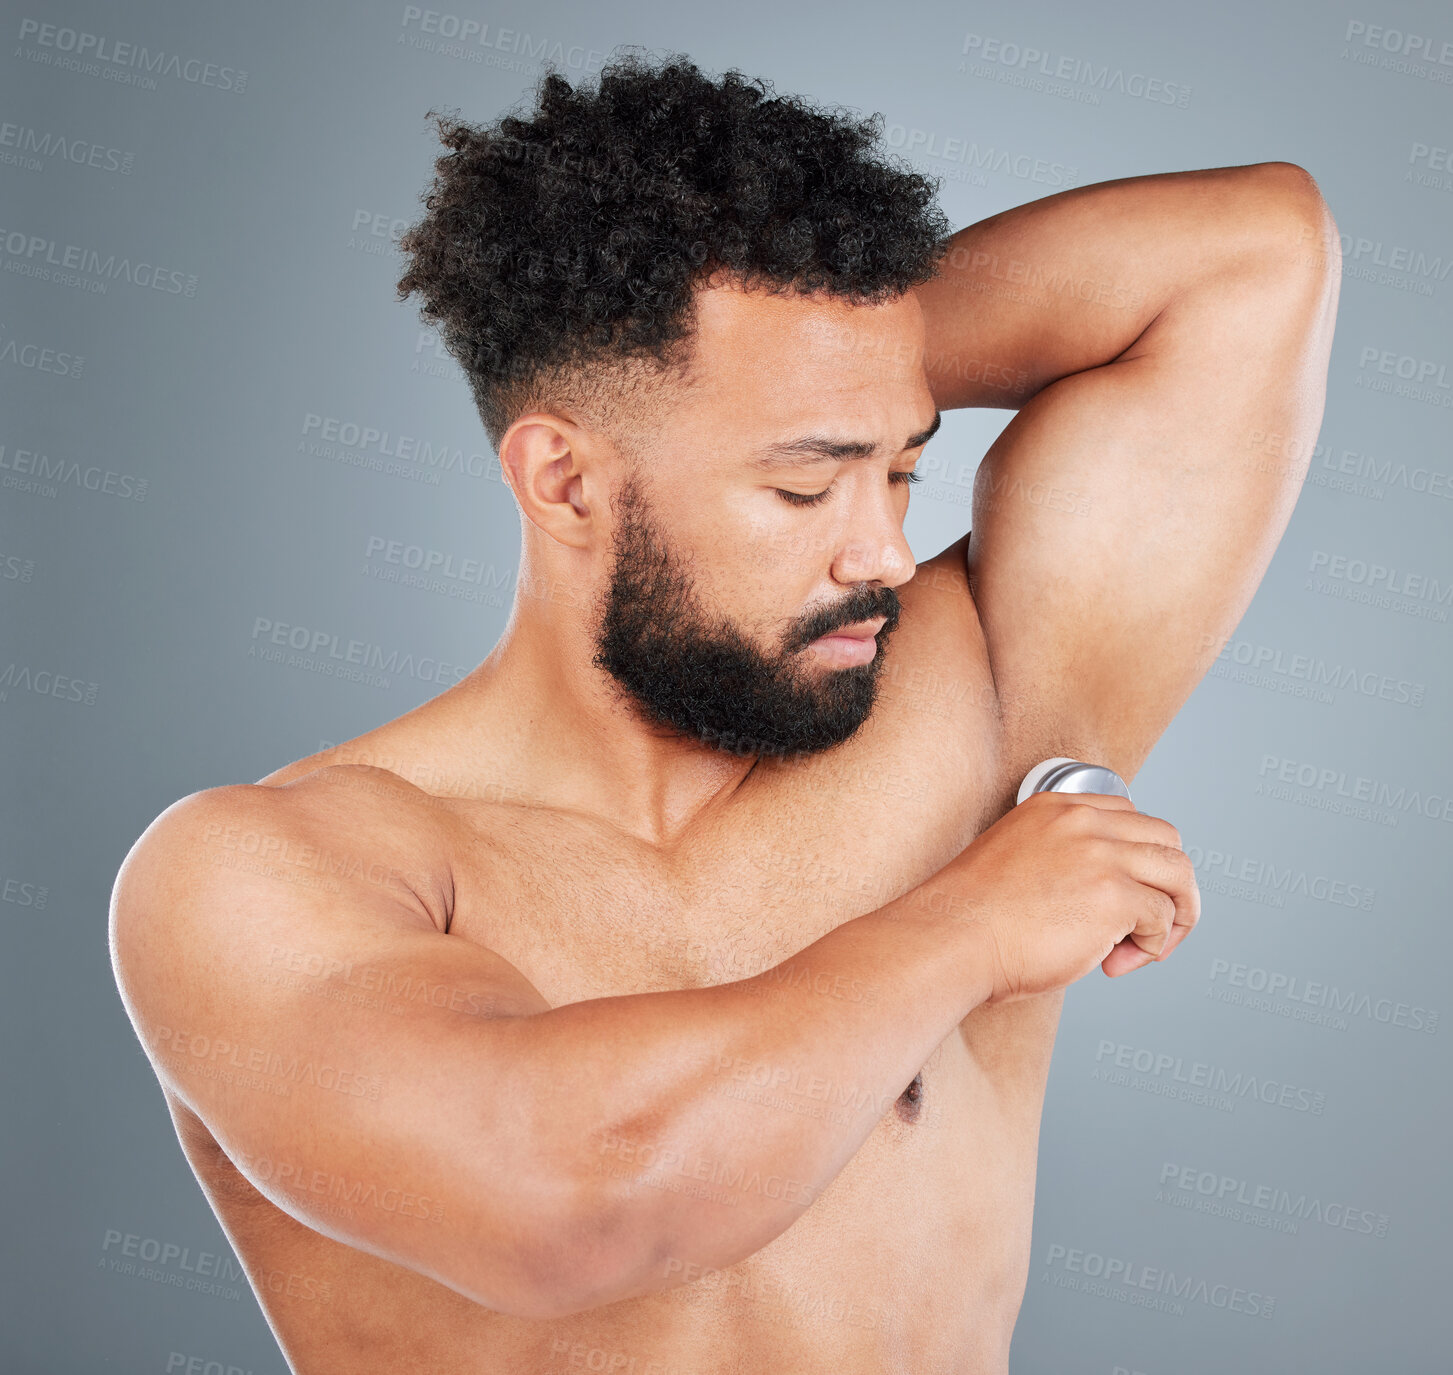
column 554, row 468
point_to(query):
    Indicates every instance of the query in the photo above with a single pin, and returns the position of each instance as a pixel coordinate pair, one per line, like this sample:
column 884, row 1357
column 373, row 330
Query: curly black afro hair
column 561, row 244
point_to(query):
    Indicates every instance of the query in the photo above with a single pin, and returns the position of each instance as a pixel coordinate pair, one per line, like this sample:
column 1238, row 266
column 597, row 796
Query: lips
column 859, row 630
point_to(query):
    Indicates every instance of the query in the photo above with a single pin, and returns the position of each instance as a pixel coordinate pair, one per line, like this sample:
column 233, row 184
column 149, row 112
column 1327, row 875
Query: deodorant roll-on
column 1062, row 775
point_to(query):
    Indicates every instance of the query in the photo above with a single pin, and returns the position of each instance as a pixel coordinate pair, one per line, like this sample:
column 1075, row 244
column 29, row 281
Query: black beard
column 702, row 677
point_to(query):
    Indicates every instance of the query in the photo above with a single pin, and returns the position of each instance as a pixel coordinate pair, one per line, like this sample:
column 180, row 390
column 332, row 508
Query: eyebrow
column 814, row 448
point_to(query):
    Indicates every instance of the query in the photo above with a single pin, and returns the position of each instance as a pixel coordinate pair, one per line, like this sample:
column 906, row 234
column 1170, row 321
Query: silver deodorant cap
column 1062, row 775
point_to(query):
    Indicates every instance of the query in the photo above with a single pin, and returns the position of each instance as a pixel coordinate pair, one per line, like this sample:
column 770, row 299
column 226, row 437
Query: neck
column 538, row 722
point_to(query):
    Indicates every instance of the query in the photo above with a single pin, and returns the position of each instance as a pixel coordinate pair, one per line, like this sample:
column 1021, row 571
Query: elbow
column 1291, row 180
column 1295, row 215
column 588, row 1253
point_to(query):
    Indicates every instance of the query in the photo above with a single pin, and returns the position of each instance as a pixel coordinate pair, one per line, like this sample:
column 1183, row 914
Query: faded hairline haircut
column 562, row 247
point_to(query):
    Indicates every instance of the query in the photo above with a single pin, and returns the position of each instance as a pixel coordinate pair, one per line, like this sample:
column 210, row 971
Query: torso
column 915, row 1257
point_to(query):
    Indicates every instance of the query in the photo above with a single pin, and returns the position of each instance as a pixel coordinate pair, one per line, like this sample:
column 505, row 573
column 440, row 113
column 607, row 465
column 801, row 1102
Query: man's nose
column 877, row 553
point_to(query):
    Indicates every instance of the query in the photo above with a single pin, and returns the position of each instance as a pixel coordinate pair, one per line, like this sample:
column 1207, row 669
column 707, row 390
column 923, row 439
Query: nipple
column 910, row 1101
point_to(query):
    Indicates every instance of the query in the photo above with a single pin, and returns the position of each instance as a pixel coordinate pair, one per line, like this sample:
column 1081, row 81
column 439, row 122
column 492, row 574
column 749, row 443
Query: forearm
column 698, row 1124
column 1070, row 282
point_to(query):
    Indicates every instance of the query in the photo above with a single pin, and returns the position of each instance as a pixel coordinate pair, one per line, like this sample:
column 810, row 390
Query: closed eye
column 903, row 476
column 803, row 499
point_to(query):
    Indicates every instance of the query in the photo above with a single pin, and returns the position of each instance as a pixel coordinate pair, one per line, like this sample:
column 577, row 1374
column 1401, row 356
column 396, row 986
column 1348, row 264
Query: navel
column 910, row 1101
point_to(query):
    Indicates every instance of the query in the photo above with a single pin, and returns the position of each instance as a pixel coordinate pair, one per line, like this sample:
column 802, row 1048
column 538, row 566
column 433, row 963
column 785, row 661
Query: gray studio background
column 188, row 453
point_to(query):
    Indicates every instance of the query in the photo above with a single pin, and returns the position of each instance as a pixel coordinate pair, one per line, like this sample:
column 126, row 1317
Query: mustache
column 862, row 604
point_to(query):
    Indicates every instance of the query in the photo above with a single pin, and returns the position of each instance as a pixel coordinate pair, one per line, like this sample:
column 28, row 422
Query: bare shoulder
column 340, row 821
column 356, row 837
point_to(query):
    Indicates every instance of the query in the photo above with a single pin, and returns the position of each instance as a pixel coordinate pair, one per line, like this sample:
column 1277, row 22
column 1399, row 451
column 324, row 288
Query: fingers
column 1177, row 877
column 1112, row 815
column 1168, row 898
column 1110, row 802
column 1149, row 852
column 1124, row 957
column 1154, row 858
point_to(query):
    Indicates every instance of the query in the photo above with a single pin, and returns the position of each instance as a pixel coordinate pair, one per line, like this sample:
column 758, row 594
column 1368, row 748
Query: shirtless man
column 676, row 992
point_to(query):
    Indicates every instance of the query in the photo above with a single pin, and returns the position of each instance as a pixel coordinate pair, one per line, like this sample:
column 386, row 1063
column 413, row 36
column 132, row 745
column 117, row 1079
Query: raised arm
column 1069, row 282
column 1164, row 340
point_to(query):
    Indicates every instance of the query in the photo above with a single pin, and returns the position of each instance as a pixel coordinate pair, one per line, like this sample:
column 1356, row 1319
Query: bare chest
column 586, row 912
